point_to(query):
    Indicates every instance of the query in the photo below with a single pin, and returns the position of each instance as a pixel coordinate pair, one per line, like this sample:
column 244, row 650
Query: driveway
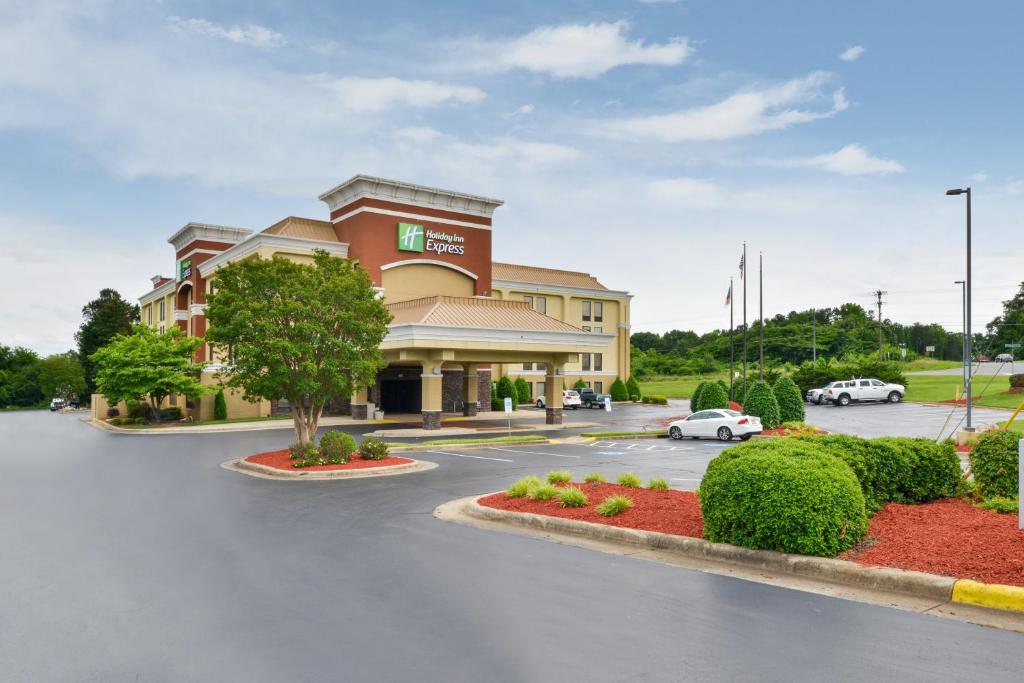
column 140, row 559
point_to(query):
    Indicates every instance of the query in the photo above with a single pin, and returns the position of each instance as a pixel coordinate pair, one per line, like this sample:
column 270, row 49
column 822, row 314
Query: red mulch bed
column 782, row 431
column 670, row 512
column 281, row 460
column 948, row 537
column 963, row 448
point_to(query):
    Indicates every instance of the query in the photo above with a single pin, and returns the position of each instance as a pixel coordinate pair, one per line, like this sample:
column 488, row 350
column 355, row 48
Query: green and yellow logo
column 410, row 237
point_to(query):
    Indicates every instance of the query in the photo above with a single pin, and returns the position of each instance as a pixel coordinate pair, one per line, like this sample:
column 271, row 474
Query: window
column 599, row 330
column 877, row 383
column 586, row 310
column 149, row 314
column 529, row 385
column 542, row 304
column 598, row 311
column 162, row 314
column 527, row 366
column 540, row 388
column 586, row 328
column 542, row 367
column 598, row 361
column 528, row 300
column 598, row 387
column 586, row 361
column 161, row 329
column 865, row 383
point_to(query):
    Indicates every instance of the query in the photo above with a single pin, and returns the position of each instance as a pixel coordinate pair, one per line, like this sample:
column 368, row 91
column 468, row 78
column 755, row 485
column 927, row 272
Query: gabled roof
column 454, row 311
column 544, row 276
column 306, row 228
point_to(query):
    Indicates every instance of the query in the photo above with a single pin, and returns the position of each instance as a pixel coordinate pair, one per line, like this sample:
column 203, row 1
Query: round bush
column 761, row 403
column 633, row 388
column 808, row 503
column 934, row 468
column 791, row 402
column 373, row 448
column 337, row 447
column 994, row 462
column 618, row 391
column 714, row 396
column 506, row 389
column 522, row 390
column 695, row 397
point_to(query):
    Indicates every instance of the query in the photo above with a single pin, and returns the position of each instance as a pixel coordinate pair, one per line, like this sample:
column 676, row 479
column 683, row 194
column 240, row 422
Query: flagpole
column 760, row 294
column 743, row 276
column 732, row 346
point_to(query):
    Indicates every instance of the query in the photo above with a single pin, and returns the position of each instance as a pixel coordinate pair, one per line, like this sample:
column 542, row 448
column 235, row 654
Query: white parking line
column 509, row 450
column 682, row 479
column 466, row 455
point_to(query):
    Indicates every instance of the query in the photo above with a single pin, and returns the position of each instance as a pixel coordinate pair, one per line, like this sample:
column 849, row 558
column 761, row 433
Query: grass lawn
column 1017, row 426
column 935, row 388
column 231, row 420
column 676, row 387
column 926, row 364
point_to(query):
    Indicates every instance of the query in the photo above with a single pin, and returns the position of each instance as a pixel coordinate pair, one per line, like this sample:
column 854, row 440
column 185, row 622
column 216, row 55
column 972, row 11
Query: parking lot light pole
column 967, row 307
column 963, row 333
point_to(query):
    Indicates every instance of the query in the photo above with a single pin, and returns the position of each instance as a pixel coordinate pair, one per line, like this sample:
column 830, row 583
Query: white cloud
column 378, row 94
column 689, row 192
column 742, row 114
column 979, row 177
column 852, row 54
column 252, row 34
column 573, row 51
column 851, row 160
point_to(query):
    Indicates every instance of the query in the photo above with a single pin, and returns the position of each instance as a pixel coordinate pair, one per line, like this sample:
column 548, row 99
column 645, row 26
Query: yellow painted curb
column 994, row 595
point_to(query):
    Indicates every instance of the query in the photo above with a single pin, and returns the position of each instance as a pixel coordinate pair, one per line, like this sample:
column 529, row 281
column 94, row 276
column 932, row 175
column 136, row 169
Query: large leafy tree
column 305, row 332
column 19, row 377
column 61, row 375
column 145, row 365
column 1008, row 328
column 104, row 318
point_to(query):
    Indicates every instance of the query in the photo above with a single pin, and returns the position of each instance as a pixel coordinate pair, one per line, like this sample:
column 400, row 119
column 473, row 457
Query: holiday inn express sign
column 413, row 237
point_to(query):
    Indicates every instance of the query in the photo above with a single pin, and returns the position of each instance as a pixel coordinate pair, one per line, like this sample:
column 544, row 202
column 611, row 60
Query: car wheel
column 895, row 397
column 724, row 434
column 821, row 399
column 676, row 433
column 588, row 405
column 540, row 404
column 745, row 437
column 844, row 400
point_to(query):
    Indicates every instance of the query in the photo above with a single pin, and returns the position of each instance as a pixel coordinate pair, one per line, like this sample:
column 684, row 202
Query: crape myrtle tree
column 148, row 365
column 304, row 332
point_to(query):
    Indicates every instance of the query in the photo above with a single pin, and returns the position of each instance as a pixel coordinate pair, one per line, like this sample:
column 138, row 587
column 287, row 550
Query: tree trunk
column 301, row 432
column 315, row 411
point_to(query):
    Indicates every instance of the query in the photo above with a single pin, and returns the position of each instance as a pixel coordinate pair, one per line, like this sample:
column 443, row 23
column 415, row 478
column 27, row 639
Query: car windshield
column 571, row 393
column 731, row 413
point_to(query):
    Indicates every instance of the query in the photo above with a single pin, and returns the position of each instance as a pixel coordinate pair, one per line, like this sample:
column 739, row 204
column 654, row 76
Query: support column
column 431, row 395
column 470, row 390
column 553, row 382
column 362, row 409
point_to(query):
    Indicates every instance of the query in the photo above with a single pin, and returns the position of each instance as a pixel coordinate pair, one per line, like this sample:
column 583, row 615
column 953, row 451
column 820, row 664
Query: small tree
column 633, row 388
column 305, row 332
column 580, row 384
column 761, row 403
column 147, row 365
column 618, row 391
column 714, row 396
column 496, row 403
column 695, row 397
column 220, row 406
column 522, row 390
column 506, row 389
column 791, row 404
column 61, row 376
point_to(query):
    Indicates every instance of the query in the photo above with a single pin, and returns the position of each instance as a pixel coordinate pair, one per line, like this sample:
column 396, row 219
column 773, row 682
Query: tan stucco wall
column 414, row 281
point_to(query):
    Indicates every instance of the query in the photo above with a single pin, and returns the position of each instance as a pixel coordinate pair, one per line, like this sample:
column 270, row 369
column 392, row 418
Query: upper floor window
column 162, row 312
column 586, row 328
column 585, row 361
column 598, row 361
column 586, row 310
column 541, row 305
column 527, row 366
column 598, row 311
column 599, row 330
column 528, row 300
column 149, row 314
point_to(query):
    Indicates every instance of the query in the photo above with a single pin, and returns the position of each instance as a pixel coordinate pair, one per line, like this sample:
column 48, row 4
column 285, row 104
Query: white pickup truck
column 856, row 390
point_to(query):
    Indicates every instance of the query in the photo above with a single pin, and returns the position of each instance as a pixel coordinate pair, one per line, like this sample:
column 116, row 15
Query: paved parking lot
column 898, row 419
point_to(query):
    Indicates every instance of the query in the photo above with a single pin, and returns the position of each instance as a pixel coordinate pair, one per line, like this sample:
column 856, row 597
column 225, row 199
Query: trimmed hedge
column 619, row 391
column 934, row 468
column 655, row 400
column 522, row 391
column 790, row 400
column 220, row 406
column 761, row 403
column 797, row 499
column 994, row 463
column 506, row 389
column 633, row 387
column 1017, row 381
column 714, row 396
column 695, row 397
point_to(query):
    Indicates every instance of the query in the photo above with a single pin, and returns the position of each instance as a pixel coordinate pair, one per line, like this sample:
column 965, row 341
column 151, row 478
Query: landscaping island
column 282, row 460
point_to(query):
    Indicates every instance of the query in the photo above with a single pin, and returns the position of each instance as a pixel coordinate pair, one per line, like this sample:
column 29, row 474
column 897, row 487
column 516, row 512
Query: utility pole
column 878, row 296
column 743, row 276
column 814, row 338
column 760, row 294
column 967, row 311
column 732, row 347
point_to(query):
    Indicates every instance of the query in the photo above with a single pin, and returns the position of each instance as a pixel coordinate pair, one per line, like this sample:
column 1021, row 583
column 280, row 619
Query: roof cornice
column 360, row 186
column 204, row 231
column 157, row 293
column 243, row 249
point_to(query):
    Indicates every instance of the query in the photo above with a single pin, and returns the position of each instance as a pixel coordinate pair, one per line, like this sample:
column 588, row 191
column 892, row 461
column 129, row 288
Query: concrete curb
column 636, row 435
column 263, row 472
column 916, row 584
column 993, row 595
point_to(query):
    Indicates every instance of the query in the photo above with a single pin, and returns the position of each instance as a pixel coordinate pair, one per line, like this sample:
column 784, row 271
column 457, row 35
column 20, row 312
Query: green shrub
column 1000, row 504
column 337, row 447
column 934, row 468
column 138, row 420
column 714, row 396
column 790, row 400
column 799, row 499
column 220, row 406
column 1017, row 381
column 633, row 387
column 739, row 390
column 696, row 403
column 523, row 486
column 657, row 485
column 595, row 478
column 572, row 497
column 373, row 448
column 543, row 492
column 522, row 390
column 654, row 400
column 496, row 403
column 628, row 479
column 304, row 455
column 809, row 377
column 761, row 403
column 994, row 463
column 619, row 391
column 559, row 477
column 506, row 389
column 580, row 384
column 139, row 409
column 613, row 505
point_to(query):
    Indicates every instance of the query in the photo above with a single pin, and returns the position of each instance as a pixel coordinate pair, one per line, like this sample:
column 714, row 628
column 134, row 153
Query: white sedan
column 720, row 423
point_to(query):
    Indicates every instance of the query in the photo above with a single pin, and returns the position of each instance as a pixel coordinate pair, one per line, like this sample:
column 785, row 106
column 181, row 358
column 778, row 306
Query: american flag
column 728, row 296
column 742, row 264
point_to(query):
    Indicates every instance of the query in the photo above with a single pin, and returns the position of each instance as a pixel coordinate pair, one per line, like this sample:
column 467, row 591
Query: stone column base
column 553, row 416
column 470, row 409
column 431, row 419
column 362, row 411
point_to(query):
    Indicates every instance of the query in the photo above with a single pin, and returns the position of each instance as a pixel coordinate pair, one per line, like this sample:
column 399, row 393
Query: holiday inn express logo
column 410, row 237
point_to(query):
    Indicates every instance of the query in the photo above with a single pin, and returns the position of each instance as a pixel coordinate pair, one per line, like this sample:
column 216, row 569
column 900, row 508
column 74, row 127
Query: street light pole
column 967, row 307
column 963, row 333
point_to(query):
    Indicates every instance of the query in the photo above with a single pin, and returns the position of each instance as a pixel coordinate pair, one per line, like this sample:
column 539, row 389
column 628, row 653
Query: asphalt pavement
column 130, row 558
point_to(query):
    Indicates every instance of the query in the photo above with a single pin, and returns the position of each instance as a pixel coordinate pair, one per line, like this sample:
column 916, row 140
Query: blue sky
column 639, row 141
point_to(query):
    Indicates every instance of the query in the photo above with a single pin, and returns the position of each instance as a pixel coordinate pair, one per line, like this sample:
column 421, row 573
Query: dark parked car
column 591, row 399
